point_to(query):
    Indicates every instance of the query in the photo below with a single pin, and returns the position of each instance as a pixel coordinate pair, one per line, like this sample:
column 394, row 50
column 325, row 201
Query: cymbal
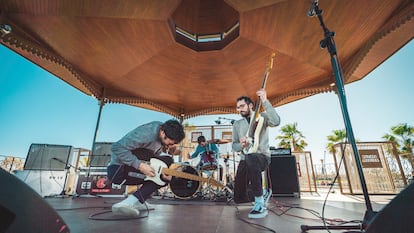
column 219, row 141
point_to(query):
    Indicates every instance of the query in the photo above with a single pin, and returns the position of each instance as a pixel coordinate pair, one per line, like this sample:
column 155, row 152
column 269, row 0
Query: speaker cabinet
column 101, row 155
column 23, row 210
column 45, row 183
column 397, row 216
column 284, row 176
column 47, row 157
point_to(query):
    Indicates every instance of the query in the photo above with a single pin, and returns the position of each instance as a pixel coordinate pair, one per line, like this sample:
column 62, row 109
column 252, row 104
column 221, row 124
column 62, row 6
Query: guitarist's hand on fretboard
column 262, row 95
column 243, row 142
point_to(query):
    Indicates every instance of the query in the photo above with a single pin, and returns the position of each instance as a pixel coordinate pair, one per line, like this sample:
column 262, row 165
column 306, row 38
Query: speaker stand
column 328, row 42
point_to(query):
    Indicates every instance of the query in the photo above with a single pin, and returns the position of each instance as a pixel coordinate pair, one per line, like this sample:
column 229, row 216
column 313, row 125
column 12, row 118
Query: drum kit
column 207, row 187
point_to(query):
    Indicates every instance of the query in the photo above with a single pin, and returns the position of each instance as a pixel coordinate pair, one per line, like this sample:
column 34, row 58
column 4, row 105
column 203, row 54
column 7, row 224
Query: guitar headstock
column 270, row 64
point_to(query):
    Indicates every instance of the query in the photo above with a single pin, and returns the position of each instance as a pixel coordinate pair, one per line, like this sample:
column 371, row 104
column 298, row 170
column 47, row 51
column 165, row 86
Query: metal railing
column 11, row 163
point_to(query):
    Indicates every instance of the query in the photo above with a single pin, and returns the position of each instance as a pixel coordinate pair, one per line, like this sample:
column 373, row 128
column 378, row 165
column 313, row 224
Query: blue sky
column 37, row 107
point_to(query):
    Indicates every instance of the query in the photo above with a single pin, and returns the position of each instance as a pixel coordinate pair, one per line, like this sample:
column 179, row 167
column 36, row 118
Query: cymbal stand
column 229, row 180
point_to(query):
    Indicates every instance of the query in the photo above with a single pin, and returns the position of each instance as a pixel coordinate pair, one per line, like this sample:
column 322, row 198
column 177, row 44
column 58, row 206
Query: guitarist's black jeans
column 119, row 173
column 248, row 180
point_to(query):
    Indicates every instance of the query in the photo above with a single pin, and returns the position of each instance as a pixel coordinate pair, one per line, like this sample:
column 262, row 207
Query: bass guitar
column 256, row 121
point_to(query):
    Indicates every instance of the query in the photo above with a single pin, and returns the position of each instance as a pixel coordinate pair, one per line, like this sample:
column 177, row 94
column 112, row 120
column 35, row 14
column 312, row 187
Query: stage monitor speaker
column 47, row 157
column 23, row 210
column 101, row 154
column 284, row 176
column 397, row 215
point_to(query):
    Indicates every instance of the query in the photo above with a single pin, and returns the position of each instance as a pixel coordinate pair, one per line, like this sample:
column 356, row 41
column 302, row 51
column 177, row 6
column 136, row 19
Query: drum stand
column 229, row 180
column 216, row 193
column 208, row 192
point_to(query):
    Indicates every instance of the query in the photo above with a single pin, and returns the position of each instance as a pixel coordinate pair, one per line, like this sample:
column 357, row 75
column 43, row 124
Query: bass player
column 253, row 162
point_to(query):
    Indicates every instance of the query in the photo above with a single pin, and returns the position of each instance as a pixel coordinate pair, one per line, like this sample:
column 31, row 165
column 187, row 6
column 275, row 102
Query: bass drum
column 184, row 188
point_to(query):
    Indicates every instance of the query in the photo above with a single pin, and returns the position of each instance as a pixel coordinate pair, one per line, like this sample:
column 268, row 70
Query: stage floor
column 286, row 214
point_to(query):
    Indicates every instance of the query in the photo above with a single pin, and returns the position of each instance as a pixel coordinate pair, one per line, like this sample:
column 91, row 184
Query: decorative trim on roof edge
column 17, row 42
column 402, row 17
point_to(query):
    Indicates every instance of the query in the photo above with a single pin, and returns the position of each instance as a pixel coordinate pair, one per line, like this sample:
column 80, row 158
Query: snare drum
column 208, row 160
column 184, row 188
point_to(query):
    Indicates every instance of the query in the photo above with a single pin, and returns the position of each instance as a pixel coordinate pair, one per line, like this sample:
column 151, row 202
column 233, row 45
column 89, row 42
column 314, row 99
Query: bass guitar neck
column 256, row 121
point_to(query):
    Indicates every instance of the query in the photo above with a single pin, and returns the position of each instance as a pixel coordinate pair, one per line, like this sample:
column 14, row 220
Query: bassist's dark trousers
column 248, row 181
column 118, row 174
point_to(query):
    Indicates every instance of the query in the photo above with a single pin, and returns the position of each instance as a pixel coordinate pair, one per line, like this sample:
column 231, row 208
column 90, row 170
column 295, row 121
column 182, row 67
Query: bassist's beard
column 246, row 114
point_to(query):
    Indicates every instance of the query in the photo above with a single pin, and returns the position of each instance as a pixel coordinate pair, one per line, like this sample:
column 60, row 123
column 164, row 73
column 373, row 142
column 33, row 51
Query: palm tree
column 339, row 135
column 291, row 138
column 403, row 137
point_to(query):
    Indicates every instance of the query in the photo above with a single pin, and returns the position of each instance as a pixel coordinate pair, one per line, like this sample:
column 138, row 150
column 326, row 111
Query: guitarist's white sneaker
column 128, row 207
column 145, row 206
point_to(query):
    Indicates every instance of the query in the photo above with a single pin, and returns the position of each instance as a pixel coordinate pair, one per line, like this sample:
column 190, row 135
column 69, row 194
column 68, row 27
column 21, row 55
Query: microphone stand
column 328, row 42
column 67, row 167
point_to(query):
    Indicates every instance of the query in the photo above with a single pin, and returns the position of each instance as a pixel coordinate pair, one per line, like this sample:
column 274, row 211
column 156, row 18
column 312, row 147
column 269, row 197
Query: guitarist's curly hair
column 246, row 99
column 173, row 130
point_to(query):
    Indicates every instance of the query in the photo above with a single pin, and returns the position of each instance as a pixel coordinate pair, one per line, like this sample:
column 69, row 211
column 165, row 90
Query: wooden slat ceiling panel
column 125, row 51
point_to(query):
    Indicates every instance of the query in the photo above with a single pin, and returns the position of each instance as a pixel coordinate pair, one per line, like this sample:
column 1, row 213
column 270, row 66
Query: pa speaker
column 284, row 176
column 397, row 216
column 45, row 183
column 23, row 210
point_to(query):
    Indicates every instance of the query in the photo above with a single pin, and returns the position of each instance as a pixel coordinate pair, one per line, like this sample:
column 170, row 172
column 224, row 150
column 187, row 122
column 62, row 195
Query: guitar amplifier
column 284, row 176
column 97, row 183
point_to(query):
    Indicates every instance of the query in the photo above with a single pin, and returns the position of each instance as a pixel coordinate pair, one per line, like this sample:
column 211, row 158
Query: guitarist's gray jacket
column 145, row 136
column 240, row 127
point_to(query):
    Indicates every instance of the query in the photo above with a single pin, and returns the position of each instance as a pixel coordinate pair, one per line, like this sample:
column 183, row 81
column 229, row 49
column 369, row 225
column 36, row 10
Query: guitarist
column 130, row 156
column 249, row 171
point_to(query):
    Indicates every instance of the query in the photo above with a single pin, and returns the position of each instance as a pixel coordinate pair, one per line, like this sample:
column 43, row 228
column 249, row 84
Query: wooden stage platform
column 194, row 215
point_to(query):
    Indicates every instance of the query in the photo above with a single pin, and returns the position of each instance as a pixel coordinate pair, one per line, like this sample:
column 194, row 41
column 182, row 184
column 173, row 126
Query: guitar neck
column 188, row 176
column 256, row 113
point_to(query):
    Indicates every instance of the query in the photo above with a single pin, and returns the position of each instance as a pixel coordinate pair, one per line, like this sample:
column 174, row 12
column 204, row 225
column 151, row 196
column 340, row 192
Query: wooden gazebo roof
column 146, row 54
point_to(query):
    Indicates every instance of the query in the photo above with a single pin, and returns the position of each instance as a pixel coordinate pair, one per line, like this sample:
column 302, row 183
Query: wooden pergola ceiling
column 128, row 51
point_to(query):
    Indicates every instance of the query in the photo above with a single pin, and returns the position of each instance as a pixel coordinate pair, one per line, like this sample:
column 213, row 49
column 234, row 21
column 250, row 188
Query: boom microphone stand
column 328, row 42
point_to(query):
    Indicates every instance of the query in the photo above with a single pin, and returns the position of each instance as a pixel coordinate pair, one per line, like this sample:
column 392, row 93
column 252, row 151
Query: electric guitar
column 161, row 167
column 256, row 121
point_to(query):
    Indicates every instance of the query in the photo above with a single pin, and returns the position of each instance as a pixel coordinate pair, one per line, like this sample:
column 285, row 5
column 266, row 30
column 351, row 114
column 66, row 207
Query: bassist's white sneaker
column 267, row 194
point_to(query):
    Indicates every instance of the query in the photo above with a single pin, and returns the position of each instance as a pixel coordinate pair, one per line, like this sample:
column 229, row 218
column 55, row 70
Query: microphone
column 59, row 160
column 312, row 9
column 136, row 175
